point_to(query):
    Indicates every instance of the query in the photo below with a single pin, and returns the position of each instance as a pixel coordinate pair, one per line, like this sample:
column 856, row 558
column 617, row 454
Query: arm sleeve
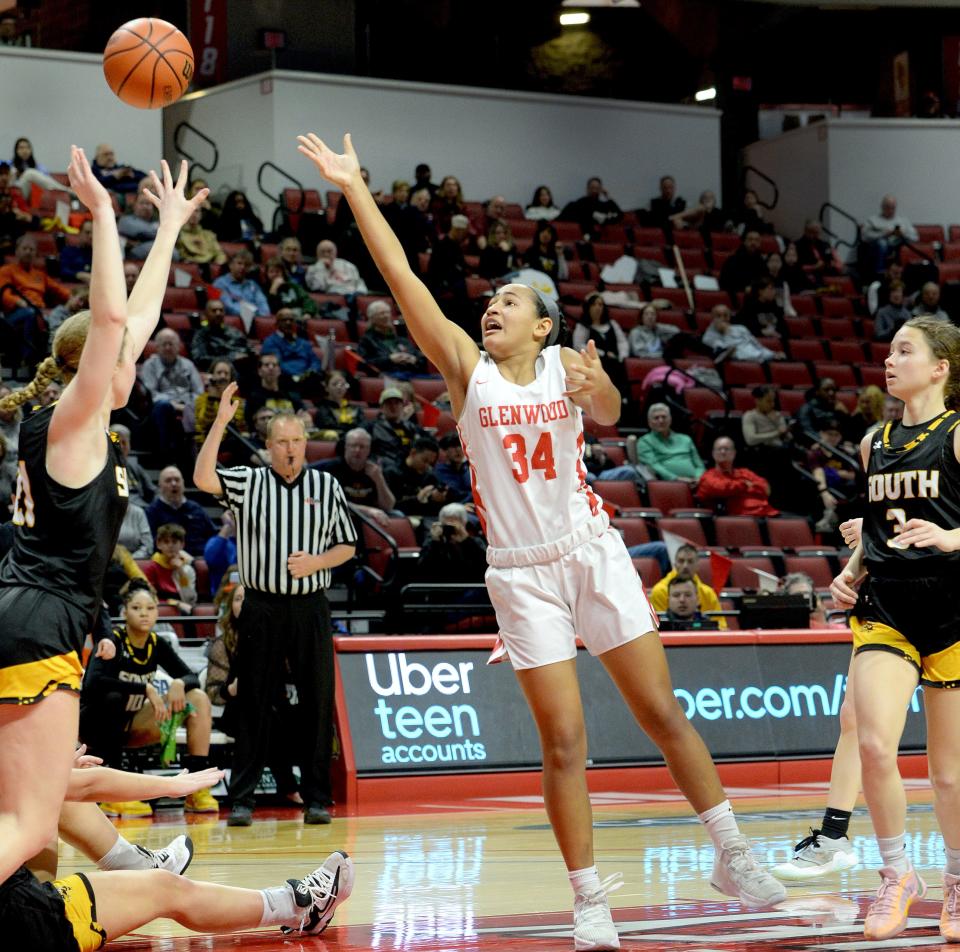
column 174, row 665
column 715, row 485
column 342, row 531
column 909, row 232
column 235, row 482
column 260, row 301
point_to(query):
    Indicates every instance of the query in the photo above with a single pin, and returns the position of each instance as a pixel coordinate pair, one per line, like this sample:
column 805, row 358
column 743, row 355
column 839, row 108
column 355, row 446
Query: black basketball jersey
column 64, row 538
column 912, row 473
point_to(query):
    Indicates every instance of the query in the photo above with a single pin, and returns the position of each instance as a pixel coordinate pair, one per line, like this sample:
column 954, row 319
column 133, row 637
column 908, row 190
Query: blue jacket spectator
column 76, row 260
column 220, row 552
column 236, row 288
column 295, row 354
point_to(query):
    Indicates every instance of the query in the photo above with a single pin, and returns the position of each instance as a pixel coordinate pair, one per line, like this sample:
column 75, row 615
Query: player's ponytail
column 943, row 338
column 47, row 371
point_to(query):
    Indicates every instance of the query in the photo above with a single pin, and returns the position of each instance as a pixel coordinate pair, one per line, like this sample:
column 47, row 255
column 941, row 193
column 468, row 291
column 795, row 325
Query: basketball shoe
column 319, row 894
column 593, row 926
column 950, row 914
column 175, row 857
column 203, row 801
column 817, row 855
column 737, row 873
column 888, row 913
column 127, row 808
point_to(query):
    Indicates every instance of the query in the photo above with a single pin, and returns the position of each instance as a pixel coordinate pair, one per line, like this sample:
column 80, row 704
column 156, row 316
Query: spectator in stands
column 762, row 315
column 198, row 244
column 893, row 315
column 120, row 707
column 220, row 552
column 11, row 33
column 685, row 569
column 670, row 455
column 78, row 301
column 878, row 291
column 734, row 341
column 886, row 232
column 765, row 427
column 172, row 505
column 799, row 583
column 593, row 210
column 222, row 373
column 822, row 405
column 741, row 491
column 122, row 179
column 815, row 255
column 135, row 535
column 421, row 179
column 269, row 393
column 283, row 293
column 928, row 303
column 27, row 290
column 612, row 345
column 296, row 356
column 868, row 415
column 238, row 221
column 335, row 414
column 409, row 223
column 682, row 611
column 291, row 254
column 745, row 266
column 174, row 384
column 209, row 212
column 453, row 470
column 392, row 431
column 706, row 217
column 750, row 215
column 360, row 477
column 830, row 471
column 139, row 226
column 131, row 271
column 546, row 253
column 170, row 571
column 15, row 215
column 494, row 213
column 50, row 394
column 215, row 339
column 447, row 273
column 499, row 255
column 650, row 338
column 450, row 554
column 333, row 275
column 447, row 202
column 792, row 274
column 384, row 348
column 541, row 207
column 27, row 171
column 239, row 292
column 417, row 487
column 665, row 206
column 76, row 259
column 139, row 483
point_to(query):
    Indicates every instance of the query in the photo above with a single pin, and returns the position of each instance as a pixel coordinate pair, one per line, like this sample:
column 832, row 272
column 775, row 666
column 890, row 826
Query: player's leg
column 639, row 670
column 884, row 682
column 38, row 742
column 137, row 730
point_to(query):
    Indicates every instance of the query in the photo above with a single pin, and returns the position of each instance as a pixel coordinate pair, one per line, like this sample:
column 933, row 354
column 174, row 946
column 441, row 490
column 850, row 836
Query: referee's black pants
column 284, row 639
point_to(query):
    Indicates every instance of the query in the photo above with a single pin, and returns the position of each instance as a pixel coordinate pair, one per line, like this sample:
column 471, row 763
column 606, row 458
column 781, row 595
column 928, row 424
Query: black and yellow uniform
column 54, row 917
column 51, row 581
column 908, row 603
column 115, row 691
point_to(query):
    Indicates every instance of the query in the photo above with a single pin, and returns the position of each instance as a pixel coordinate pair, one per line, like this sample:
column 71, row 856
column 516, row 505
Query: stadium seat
column 370, row 390
column 804, row 304
column 816, row 566
column 842, row 374
column 568, row 231
column 320, row 449
column 668, row 494
column 649, row 236
column 602, row 431
column 695, row 262
column 743, row 373
column 205, row 629
column 263, row 327
column 838, row 328
column 649, row 571
column 742, row 574
column 620, row 493
column 769, row 245
column 575, row 289
column 918, row 251
column 724, row 241
column 650, row 253
column 871, row 375
column 179, row 323
column 929, row 233
column 689, row 529
column 674, row 317
column 879, row 351
column 789, row 533
column 180, row 299
column 688, row 239
column 951, row 251
column 428, row 388
column 800, row 327
column 735, row 532
column 615, row 233
column 700, row 402
column 639, row 367
column 705, row 300
column 847, row 352
column 317, row 327
column 789, row 374
column 634, row 531
column 742, row 399
column 791, row 400
column 806, row 350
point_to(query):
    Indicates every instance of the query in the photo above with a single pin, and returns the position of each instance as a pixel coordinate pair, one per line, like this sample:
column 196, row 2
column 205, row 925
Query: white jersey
column 525, row 448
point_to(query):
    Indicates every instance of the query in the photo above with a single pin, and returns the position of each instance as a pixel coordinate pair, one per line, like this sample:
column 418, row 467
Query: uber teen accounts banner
column 448, row 711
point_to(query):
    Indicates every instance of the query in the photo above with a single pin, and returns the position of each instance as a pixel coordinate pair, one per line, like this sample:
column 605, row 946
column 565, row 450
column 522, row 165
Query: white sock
column 720, row 822
column 953, row 861
column 124, row 855
column 279, row 907
column 584, row 880
column 893, row 852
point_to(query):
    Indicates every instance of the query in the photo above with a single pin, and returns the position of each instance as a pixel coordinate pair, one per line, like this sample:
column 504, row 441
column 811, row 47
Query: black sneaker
column 316, row 814
column 240, row 815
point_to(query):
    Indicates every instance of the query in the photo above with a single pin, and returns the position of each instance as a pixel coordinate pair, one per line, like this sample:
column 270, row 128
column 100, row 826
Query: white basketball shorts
column 592, row 591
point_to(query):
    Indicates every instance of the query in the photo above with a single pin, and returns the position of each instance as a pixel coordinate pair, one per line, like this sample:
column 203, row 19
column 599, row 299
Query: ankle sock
column 953, row 861
column 279, row 907
column 124, row 855
column 835, row 823
column 584, row 880
column 893, row 852
column 720, row 822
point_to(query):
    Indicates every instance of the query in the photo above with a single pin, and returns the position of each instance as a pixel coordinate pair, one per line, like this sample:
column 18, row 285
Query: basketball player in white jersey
column 557, row 569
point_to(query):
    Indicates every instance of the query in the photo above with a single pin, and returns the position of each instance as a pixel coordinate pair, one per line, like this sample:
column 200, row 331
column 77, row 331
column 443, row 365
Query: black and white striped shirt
column 276, row 519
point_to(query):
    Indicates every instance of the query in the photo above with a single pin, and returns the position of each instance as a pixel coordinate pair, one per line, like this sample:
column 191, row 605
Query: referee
column 293, row 527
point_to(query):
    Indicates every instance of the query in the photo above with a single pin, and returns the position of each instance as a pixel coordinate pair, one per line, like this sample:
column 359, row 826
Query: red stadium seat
column 179, row 323
column 789, row 533
column 837, row 328
column 688, row 239
column 634, row 531
column 620, row 493
column 724, row 241
column 639, row 367
column 842, row 374
column 602, row 431
column 804, row 304
column 769, row 245
column 742, row 574
column 428, row 388
column 203, row 579
column 742, row 399
column 689, row 529
column 816, row 566
column 615, row 233
column 650, row 253
column 607, row 252
column 320, row 449
column 735, row 532
column 951, row 251
column 674, row 317
column 370, row 390
column 806, row 350
column 567, row 231
column 668, row 494
column 918, row 251
column 676, row 296
column 317, row 327
column 800, row 327
column 705, row 300
column 879, row 351
column 790, row 401
column 929, row 233
column 575, row 289
column 649, row 236
column 700, row 402
column 179, row 299
column 263, row 327
column 847, row 352
column 789, row 374
column 695, row 262
column 871, row 375
column 649, row 571
column 742, row 373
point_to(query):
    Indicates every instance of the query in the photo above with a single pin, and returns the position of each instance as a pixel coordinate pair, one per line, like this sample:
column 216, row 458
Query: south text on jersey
column 912, row 484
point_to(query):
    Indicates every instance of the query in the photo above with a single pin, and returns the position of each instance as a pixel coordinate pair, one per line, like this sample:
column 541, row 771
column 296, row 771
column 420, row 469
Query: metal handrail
column 194, row 162
column 763, row 175
column 843, row 214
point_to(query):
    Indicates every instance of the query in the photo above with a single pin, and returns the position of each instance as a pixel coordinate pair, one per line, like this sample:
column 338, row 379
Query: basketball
column 148, row 63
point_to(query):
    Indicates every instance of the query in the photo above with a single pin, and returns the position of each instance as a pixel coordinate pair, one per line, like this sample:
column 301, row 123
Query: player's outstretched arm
column 146, row 298
column 205, row 469
column 446, row 344
column 105, row 783
column 108, row 307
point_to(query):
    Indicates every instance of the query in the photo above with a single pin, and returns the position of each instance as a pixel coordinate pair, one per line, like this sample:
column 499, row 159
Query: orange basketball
column 148, row 63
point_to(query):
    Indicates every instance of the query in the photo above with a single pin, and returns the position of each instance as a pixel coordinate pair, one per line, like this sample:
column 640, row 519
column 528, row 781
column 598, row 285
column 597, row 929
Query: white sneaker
column 737, row 873
column 593, row 927
column 319, row 894
column 175, row 857
column 817, row 855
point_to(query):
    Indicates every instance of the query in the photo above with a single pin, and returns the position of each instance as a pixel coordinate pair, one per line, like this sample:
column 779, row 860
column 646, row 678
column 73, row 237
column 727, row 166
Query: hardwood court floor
column 486, row 876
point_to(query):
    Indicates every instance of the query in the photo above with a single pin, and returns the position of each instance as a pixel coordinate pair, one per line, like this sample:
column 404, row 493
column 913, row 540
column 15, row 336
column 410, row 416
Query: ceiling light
column 574, row 19
column 705, row 95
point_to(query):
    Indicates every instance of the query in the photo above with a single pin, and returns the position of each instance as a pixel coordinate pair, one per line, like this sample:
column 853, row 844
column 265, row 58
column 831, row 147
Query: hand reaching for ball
column 171, row 200
column 86, row 185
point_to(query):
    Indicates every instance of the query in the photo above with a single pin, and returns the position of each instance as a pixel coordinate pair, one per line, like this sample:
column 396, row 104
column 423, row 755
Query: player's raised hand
column 586, row 376
column 339, row 170
column 171, row 200
column 85, row 183
column 228, row 406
